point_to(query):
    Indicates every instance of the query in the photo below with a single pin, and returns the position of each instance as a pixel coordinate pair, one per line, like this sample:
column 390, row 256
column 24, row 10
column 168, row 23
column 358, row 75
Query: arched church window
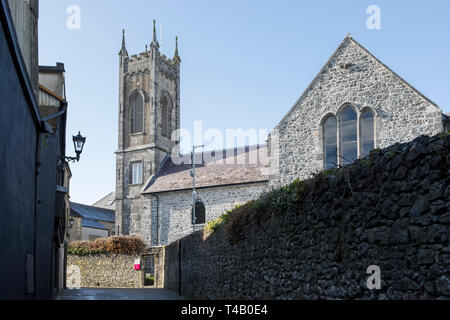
column 367, row 132
column 330, row 139
column 348, row 135
column 200, row 213
column 137, row 113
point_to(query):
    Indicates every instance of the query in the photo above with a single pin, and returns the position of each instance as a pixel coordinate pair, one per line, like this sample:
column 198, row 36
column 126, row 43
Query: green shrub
column 215, row 224
column 114, row 245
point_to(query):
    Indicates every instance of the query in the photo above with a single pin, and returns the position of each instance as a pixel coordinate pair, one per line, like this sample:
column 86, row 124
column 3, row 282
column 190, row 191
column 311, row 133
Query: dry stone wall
column 390, row 210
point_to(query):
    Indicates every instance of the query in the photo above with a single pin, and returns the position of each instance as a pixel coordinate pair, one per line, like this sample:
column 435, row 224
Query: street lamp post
column 194, row 193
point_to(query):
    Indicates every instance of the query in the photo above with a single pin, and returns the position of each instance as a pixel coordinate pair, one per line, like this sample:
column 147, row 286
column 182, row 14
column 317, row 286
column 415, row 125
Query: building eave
column 50, row 92
column 17, row 57
column 208, row 187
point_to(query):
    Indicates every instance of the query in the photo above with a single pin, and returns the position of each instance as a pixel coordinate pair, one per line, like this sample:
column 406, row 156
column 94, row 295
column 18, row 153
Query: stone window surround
column 359, row 111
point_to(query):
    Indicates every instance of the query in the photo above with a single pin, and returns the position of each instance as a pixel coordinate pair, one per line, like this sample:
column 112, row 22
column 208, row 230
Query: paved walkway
column 118, row 294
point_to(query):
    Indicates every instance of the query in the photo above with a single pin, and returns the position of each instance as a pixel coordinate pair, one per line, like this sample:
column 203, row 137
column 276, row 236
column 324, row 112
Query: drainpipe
column 179, row 267
column 62, row 110
column 157, row 220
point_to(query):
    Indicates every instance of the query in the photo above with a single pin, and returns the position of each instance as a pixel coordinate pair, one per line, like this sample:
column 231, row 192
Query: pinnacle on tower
column 155, row 40
column 176, row 56
column 123, row 51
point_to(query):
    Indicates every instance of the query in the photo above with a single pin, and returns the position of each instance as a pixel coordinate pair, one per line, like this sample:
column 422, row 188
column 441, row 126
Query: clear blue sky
column 244, row 63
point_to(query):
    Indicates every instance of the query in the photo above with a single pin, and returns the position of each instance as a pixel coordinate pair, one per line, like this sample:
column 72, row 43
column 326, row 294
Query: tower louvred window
column 166, row 114
column 137, row 113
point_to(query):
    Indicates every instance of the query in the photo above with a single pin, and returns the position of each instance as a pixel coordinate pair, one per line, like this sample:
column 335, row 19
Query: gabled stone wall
column 356, row 77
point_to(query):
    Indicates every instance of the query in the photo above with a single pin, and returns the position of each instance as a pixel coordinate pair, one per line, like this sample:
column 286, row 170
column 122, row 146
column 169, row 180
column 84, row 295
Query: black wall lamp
column 78, row 143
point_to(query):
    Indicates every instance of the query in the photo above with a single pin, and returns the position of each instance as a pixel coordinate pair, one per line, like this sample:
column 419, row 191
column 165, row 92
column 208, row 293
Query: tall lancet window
column 367, row 132
column 349, row 136
column 137, row 113
column 330, row 138
column 166, row 109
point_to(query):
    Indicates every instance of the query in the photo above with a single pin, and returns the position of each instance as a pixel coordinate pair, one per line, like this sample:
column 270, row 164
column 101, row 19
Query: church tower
column 149, row 116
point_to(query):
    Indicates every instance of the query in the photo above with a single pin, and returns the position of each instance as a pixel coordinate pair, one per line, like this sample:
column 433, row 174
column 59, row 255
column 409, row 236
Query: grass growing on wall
column 274, row 202
column 114, row 245
column 300, row 196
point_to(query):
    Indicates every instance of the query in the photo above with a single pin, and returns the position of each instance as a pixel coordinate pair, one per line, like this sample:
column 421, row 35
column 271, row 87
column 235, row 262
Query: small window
column 367, row 133
column 349, row 136
column 136, row 173
column 137, row 113
column 200, row 213
column 330, row 138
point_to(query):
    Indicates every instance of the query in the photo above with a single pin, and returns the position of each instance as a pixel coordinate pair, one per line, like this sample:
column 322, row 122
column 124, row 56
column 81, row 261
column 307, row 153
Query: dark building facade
column 32, row 188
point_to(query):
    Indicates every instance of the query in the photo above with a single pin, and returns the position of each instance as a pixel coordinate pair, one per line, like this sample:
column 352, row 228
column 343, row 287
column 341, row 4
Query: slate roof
column 93, row 224
column 92, row 213
column 214, row 168
column 107, row 202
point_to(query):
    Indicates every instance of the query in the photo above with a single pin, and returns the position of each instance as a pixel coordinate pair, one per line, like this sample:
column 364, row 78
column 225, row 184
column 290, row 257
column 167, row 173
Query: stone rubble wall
column 391, row 210
column 175, row 207
column 106, row 270
column 116, row 270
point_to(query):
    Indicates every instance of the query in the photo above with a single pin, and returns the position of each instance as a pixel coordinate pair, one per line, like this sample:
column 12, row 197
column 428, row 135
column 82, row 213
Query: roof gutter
column 57, row 114
column 246, row 183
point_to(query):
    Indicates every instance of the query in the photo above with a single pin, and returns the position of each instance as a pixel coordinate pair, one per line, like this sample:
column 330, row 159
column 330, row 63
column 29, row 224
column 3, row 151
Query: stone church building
column 354, row 104
column 154, row 191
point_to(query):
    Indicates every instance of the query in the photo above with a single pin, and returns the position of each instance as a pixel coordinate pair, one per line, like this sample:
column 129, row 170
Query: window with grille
column 149, row 271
